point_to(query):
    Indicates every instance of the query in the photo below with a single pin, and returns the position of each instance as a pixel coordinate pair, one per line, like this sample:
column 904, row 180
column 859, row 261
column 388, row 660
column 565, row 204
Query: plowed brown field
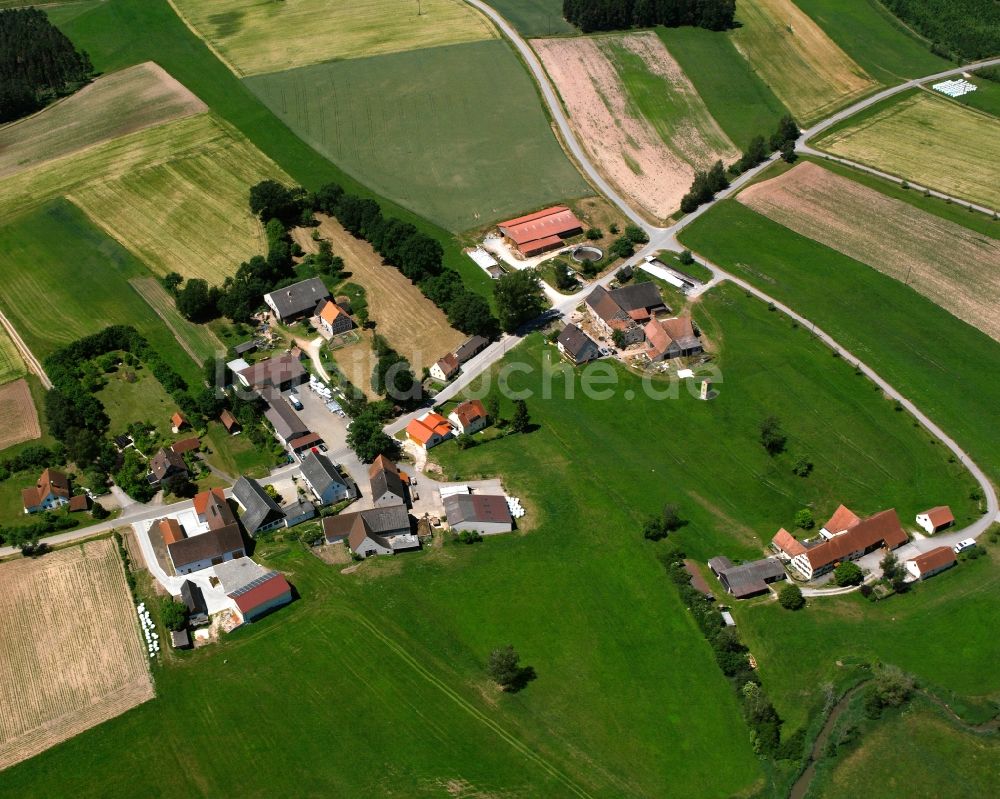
column 18, row 417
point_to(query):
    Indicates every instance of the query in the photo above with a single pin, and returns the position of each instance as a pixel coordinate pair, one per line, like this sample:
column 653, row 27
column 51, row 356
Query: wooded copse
column 959, row 29
column 37, row 63
column 610, row 15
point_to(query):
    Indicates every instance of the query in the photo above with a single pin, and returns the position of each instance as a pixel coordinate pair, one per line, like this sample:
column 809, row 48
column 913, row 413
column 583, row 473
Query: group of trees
column 365, row 435
column 704, row 187
column 37, row 63
column 519, row 298
column 392, row 376
column 668, row 521
column 959, row 29
column 624, row 246
column 609, row 15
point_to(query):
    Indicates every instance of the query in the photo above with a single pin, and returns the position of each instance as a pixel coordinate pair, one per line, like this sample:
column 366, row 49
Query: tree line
column 609, row 15
column 37, row 63
column 958, row 29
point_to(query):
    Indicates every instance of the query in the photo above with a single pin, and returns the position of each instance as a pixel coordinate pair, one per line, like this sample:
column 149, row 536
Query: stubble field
column 930, row 141
column 71, row 653
column 113, row 105
column 802, row 65
column 637, row 114
column 18, row 416
column 947, row 263
column 11, row 364
column 255, row 37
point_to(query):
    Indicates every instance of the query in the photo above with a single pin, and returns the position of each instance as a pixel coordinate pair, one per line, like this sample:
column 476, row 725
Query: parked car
column 294, row 399
column 961, row 546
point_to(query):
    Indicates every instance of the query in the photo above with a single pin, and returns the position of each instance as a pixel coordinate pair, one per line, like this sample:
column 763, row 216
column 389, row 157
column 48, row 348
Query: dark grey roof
column 258, row 506
column 384, row 481
column 179, row 639
column 208, row 545
column 637, row 295
column 320, row 472
column 286, row 422
column 474, row 508
column 245, row 347
column 300, row 507
column 470, row 348
column 720, row 563
column 752, row 578
column 387, row 519
column 578, row 344
column 274, row 371
column 166, row 462
column 298, row 297
column 193, row 598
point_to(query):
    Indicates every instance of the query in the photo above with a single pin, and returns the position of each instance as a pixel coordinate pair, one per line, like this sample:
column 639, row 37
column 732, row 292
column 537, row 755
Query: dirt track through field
column 413, row 325
column 952, row 265
column 654, row 168
column 18, row 416
column 70, row 652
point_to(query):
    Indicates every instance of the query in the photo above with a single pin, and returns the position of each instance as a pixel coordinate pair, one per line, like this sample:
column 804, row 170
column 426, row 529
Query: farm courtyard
column 71, row 652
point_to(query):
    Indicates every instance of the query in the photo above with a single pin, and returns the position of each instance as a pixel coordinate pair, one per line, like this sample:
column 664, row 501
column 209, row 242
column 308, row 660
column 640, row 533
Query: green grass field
column 11, row 365
column 197, row 340
column 534, row 17
column 455, row 133
column 892, row 327
column 876, row 40
column 141, row 401
column 86, row 286
column 255, row 37
column 985, row 98
column 235, row 455
column 737, row 98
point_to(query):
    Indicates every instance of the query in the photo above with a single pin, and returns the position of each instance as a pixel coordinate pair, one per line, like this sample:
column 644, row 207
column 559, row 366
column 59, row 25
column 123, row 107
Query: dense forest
column 608, row 15
column 962, row 29
column 37, row 63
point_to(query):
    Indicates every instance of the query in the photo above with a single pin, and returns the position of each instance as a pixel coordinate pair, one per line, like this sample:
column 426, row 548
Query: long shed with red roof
column 541, row 231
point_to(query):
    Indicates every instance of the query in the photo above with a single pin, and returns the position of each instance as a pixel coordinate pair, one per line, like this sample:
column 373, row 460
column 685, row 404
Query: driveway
column 332, row 428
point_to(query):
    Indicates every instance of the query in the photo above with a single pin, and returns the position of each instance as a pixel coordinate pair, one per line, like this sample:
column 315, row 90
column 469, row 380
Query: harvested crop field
column 254, row 37
column 175, row 195
column 802, row 65
column 11, row 363
column 413, row 325
column 18, row 415
column 930, row 141
column 113, row 105
column 637, row 114
column 947, row 263
column 70, row 654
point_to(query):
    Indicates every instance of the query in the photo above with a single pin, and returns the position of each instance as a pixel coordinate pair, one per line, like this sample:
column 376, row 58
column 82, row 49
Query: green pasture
column 737, row 98
column 197, row 340
column 534, row 17
column 85, row 286
column 11, row 365
column 456, row 133
column 142, row 401
column 891, row 327
column 235, row 455
column 985, row 98
column 875, row 39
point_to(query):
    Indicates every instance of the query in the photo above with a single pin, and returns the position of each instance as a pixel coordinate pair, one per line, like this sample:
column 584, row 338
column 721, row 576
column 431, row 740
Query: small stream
column 801, row 786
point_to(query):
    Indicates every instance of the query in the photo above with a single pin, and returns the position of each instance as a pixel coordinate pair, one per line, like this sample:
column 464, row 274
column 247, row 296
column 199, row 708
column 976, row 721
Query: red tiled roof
column 382, row 464
column 881, row 528
column 940, row 516
column 261, row 594
column 302, row 442
column 547, row 222
column 470, row 411
column 934, row 559
column 448, row 364
column 49, row 482
column 787, row 543
column 171, row 531
column 331, row 311
column 178, row 419
column 202, row 497
column 228, row 420
column 186, row 445
column 843, row 519
column 78, row 502
column 423, row 430
column 540, row 245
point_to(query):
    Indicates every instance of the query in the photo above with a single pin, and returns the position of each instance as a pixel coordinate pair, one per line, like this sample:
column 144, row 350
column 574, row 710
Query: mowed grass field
column 897, row 331
column 18, row 413
column 928, row 140
column 254, row 37
column 197, row 340
column 876, row 40
column 637, row 114
column 535, row 17
column 454, row 133
column 952, row 265
column 86, row 286
column 113, row 105
column 742, row 104
column 803, row 66
column 413, row 325
column 986, row 97
column 71, row 652
column 11, row 365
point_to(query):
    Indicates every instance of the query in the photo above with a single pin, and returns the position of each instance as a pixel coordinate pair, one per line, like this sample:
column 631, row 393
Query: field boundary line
column 170, row 326
column 30, row 360
column 468, row 707
column 215, row 51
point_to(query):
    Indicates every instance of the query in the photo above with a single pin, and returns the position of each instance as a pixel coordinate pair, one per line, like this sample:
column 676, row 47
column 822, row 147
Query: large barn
column 541, row 231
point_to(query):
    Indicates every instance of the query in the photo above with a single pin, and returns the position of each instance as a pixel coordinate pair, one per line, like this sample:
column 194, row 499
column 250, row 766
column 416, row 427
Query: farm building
column 253, row 589
column 178, row 422
column 541, row 231
column 323, row 479
column 245, row 348
column 787, row 545
column 429, row 430
column 470, row 348
column 485, row 514
column 286, row 423
column 229, row 422
column 186, row 445
column 576, row 345
column 297, row 511
column 445, row 368
column 881, row 530
column 936, row 519
column 378, row 531
column 304, row 442
column 929, row 563
column 78, row 502
column 166, row 464
column 486, row 262
column 671, row 338
column 297, row 300
column 260, row 512
column 212, row 508
column 388, row 487
column 843, row 519
column 51, row 491
column 206, row 549
column 747, row 579
column 469, row 417
column 282, row 373
column 626, row 309
column 334, row 319
column 194, row 601
column 179, row 639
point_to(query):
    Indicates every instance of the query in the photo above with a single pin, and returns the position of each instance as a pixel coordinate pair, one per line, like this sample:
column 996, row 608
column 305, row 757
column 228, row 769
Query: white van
column 963, row 545
column 293, row 397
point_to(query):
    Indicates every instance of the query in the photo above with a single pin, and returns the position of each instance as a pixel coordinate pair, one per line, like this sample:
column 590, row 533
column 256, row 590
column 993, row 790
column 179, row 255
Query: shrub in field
column 790, row 597
column 772, row 436
column 848, row 573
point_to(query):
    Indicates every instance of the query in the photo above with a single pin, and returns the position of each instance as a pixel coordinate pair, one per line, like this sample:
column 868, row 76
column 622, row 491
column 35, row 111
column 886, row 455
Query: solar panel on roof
column 258, row 581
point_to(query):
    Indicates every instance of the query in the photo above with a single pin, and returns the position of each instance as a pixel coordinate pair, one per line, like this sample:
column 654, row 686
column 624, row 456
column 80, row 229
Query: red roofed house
column 843, row 519
column 254, row 590
column 469, row 417
column 881, row 530
column 671, row 338
column 334, row 319
column 784, row 543
column 429, row 430
column 171, row 531
column 446, row 368
column 79, row 502
column 178, row 422
column 212, row 508
column 936, row 519
column 541, row 231
column 51, row 491
column 929, row 563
